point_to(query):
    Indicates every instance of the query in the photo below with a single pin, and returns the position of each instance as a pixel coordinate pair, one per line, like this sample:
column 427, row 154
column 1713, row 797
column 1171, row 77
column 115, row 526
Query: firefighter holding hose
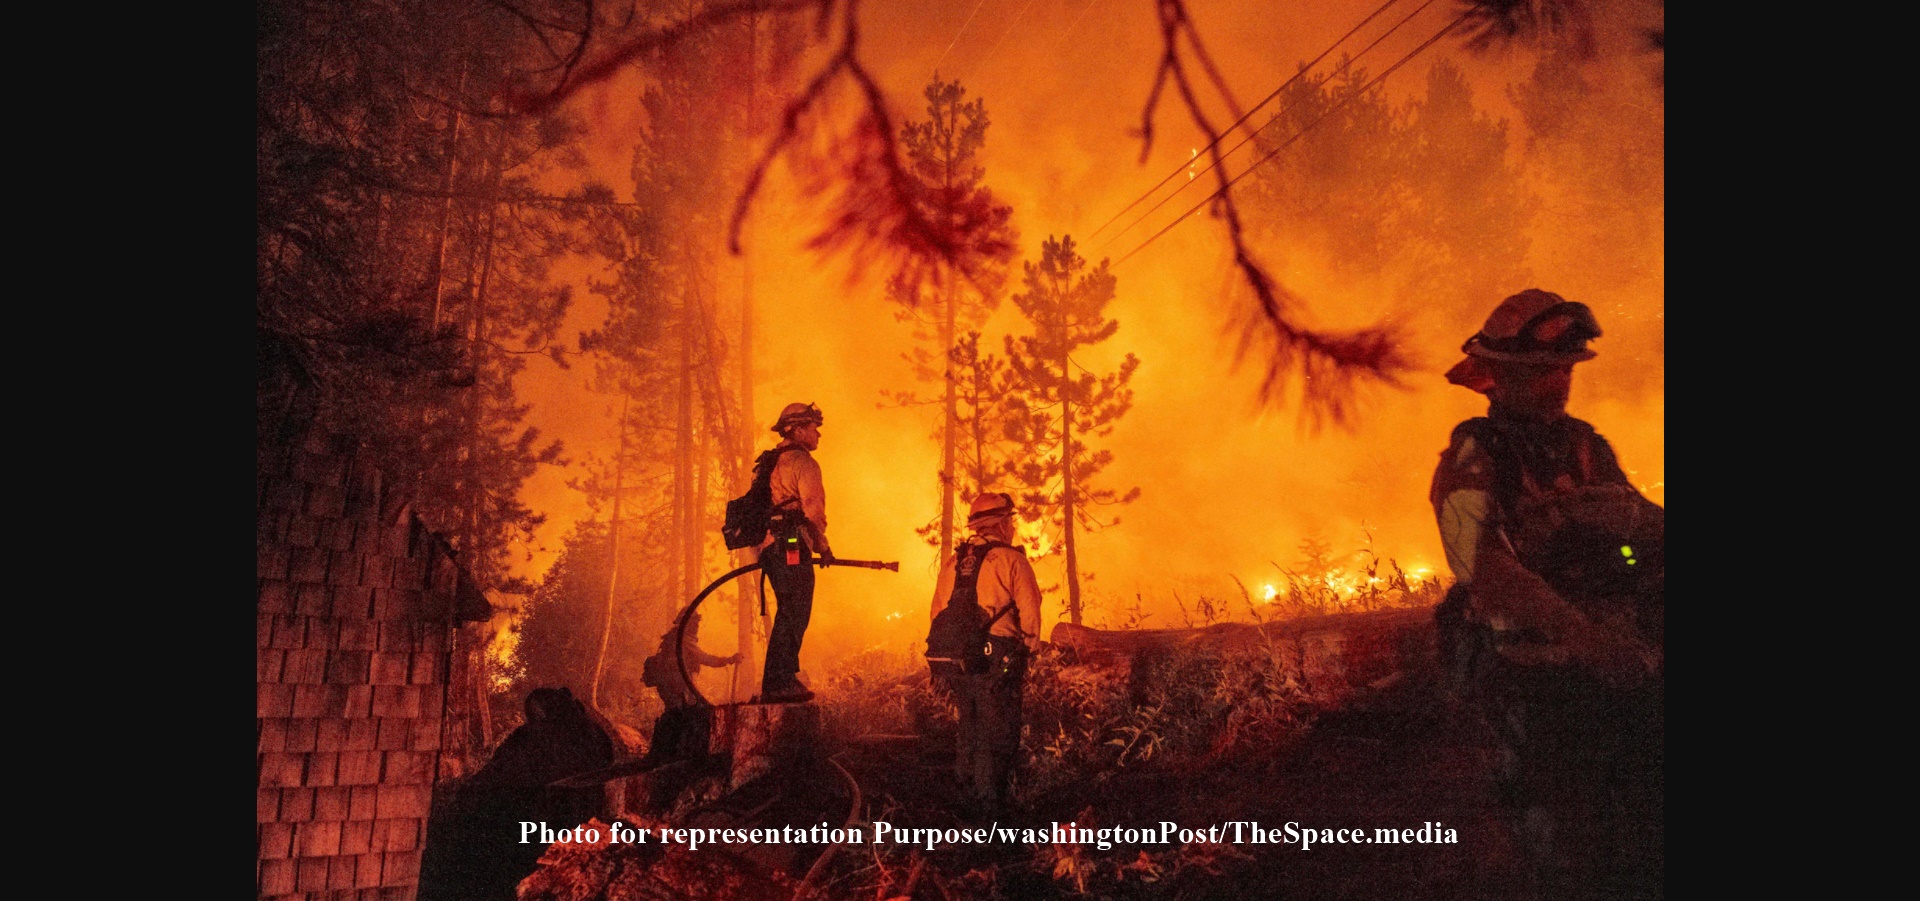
column 798, row 532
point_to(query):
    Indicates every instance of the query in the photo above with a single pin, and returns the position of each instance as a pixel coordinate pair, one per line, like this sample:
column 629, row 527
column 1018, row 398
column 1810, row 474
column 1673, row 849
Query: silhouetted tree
column 1060, row 403
column 1423, row 195
column 942, row 301
column 402, row 245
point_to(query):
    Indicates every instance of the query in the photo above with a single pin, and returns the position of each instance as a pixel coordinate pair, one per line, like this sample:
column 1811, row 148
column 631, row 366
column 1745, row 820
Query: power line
column 1289, row 142
column 1250, row 135
column 1003, row 36
column 1249, row 113
column 1076, row 23
column 957, row 34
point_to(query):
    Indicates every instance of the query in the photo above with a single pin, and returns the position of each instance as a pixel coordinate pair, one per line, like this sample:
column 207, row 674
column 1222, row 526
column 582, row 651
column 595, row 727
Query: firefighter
column 1554, row 626
column 797, row 535
column 681, row 730
column 994, row 571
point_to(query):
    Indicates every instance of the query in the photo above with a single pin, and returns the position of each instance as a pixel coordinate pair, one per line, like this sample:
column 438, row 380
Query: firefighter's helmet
column 1533, row 326
column 1536, row 326
column 796, row 415
column 989, row 505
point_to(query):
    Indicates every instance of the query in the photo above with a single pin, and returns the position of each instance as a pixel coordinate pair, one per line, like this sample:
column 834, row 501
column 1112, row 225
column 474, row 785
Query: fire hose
column 680, row 622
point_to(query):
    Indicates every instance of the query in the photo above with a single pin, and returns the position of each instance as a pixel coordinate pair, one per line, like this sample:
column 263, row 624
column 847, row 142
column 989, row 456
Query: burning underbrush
column 1109, row 740
column 1122, row 727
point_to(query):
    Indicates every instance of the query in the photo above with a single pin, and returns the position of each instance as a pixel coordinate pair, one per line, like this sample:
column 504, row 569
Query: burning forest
column 997, row 449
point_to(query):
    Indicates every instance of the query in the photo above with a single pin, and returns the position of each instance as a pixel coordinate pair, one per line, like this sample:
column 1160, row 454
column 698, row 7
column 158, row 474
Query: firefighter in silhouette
column 985, row 626
column 475, row 856
column 682, row 729
column 1554, row 626
column 798, row 533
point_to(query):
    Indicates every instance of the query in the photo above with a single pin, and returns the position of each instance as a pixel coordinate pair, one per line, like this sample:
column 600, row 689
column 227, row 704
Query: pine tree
column 1471, row 220
column 403, row 246
column 1421, row 193
column 1060, row 403
column 662, row 351
column 944, row 153
column 983, row 454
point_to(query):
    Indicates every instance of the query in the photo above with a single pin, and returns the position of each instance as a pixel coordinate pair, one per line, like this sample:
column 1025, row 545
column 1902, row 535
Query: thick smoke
column 1230, row 487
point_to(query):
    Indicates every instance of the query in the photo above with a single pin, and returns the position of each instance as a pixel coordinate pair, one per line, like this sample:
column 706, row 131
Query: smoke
column 1228, row 487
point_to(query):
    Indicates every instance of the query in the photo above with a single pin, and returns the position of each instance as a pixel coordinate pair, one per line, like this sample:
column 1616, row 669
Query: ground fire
column 1233, row 432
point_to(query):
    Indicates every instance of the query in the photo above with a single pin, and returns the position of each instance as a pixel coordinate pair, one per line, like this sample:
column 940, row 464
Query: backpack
column 750, row 514
column 959, row 640
column 1600, row 544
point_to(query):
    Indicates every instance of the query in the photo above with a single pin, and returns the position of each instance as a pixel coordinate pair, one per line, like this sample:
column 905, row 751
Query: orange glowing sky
column 1227, row 486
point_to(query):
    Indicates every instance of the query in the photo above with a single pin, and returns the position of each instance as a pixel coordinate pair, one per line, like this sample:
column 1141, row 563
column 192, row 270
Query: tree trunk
column 949, row 426
column 473, row 544
column 1067, row 496
column 446, row 204
column 979, row 424
column 702, row 468
column 744, row 587
column 766, row 738
column 683, row 450
column 613, row 563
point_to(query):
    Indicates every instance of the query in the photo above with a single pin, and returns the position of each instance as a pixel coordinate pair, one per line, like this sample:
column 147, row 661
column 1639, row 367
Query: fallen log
column 1363, row 647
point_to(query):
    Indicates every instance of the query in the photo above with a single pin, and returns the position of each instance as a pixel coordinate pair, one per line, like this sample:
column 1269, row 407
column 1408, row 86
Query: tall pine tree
column 943, row 151
column 1061, row 403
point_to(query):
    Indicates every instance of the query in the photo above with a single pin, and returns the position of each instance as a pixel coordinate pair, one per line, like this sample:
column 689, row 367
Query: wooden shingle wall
column 359, row 604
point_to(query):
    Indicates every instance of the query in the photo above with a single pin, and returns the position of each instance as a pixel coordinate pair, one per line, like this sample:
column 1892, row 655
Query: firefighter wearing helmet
column 797, row 535
column 988, row 580
column 1554, row 627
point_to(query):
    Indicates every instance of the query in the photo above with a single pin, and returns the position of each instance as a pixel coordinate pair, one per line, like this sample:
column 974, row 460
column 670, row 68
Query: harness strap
column 973, row 581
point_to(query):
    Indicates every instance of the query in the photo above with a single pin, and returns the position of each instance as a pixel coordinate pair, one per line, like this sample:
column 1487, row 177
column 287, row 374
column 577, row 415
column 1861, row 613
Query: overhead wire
column 957, row 34
column 1244, row 117
column 1297, row 135
column 1003, row 36
column 1076, row 23
column 1342, row 68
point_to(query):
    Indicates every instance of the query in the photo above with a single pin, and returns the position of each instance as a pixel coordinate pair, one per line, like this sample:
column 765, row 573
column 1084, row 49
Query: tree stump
column 763, row 738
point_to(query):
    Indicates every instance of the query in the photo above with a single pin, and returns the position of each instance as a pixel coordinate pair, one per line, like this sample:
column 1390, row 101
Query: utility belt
column 786, row 524
column 1005, row 656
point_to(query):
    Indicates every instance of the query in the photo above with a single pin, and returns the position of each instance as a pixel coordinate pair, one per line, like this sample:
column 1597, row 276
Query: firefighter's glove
column 826, row 558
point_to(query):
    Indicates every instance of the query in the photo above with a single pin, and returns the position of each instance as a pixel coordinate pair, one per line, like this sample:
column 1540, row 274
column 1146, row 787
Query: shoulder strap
column 764, row 465
column 986, row 548
column 1498, row 446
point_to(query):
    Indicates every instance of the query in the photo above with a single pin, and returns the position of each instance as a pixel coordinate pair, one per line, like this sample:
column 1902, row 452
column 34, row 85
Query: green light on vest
column 1626, row 550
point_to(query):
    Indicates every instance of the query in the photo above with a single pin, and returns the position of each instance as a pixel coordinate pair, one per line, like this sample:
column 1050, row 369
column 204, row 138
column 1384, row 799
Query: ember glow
column 1228, row 485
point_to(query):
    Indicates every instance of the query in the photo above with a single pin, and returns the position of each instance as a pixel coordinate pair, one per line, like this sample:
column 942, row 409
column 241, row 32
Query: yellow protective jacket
column 796, row 484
